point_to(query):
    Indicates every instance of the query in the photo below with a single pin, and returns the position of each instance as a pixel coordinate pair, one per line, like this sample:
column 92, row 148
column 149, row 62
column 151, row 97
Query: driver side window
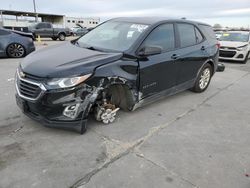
column 163, row 37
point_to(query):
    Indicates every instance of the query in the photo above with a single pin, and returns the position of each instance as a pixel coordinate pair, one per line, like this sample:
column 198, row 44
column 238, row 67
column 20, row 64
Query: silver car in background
column 235, row 45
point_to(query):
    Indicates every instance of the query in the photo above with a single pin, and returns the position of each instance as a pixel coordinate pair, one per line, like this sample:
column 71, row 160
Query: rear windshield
column 237, row 37
column 208, row 30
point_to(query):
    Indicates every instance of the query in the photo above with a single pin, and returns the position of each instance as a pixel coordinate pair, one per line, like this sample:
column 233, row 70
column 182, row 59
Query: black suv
column 123, row 63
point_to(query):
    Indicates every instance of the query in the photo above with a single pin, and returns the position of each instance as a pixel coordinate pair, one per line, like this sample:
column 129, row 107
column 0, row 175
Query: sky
column 232, row 13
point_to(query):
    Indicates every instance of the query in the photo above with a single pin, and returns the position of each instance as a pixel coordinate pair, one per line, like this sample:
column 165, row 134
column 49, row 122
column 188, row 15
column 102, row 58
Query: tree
column 218, row 26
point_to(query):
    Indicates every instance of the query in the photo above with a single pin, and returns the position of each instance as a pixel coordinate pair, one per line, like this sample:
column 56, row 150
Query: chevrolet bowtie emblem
column 22, row 75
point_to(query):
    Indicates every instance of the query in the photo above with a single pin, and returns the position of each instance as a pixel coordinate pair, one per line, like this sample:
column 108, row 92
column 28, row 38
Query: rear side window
column 4, row 32
column 208, row 31
column 162, row 36
column 187, row 34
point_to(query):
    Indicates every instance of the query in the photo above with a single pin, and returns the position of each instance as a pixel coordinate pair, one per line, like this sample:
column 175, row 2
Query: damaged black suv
column 122, row 64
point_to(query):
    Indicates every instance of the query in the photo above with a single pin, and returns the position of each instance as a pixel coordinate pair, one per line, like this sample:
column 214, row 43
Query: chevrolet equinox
column 123, row 63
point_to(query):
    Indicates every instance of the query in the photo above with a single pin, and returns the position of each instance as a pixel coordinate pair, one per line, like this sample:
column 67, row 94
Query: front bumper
column 45, row 115
column 49, row 107
column 51, row 116
column 232, row 55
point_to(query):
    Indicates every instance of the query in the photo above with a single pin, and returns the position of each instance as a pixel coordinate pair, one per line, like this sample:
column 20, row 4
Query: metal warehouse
column 20, row 20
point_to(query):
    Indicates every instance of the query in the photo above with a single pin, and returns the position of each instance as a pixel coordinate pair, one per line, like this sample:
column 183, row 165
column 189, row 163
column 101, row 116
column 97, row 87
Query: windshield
column 112, row 35
column 237, row 37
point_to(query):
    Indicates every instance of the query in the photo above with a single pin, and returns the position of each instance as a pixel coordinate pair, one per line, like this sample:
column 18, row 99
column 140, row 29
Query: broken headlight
column 67, row 82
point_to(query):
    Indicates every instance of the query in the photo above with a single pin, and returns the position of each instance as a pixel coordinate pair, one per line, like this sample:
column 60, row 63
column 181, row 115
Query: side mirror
column 150, row 50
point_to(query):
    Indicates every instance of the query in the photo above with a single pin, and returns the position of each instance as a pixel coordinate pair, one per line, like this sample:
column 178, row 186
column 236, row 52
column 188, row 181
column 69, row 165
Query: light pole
column 34, row 4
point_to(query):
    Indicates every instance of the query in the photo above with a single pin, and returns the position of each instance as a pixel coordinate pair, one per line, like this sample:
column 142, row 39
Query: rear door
column 159, row 72
column 192, row 52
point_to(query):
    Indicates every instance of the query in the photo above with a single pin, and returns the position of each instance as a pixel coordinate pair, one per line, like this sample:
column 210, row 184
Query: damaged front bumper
column 67, row 108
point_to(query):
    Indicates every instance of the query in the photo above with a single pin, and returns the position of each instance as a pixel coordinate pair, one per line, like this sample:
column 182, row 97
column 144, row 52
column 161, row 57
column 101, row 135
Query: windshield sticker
column 140, row 28
column 130, row 34
column 225, row 34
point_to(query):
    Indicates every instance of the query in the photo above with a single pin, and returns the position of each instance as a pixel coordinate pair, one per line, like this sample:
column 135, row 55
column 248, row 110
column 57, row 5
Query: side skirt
column 168, row 92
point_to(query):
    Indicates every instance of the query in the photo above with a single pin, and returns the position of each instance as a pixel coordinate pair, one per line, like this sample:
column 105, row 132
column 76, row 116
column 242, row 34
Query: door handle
column 203, row 48
column 174, row 56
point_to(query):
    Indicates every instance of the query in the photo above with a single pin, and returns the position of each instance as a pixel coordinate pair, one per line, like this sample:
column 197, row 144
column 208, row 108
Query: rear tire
column 16, row 50
column 203, row 80
column 61, row 37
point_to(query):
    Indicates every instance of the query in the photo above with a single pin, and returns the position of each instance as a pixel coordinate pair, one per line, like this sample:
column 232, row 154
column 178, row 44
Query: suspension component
column 106, row 113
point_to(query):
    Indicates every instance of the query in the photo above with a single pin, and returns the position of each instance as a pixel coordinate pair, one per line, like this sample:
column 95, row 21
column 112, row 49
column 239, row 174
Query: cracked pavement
column 186, row 140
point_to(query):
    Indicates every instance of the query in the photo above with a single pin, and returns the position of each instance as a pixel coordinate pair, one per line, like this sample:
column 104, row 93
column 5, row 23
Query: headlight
column 242, row 48
column 67, row 82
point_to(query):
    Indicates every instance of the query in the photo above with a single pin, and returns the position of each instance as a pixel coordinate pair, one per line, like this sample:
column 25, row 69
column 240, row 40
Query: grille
column 229, row 48
column 28, row 89
column 227, row 53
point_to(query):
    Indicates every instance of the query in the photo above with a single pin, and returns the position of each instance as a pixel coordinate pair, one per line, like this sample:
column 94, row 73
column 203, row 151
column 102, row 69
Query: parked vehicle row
column 124, row 63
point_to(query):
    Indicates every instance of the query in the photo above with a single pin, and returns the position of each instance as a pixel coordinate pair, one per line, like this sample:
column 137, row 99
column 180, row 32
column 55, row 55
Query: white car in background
column 218, row 34
column 235, row 45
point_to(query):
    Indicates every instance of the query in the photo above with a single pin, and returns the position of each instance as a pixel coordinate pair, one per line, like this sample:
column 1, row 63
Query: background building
column 85, row 22
column 20, row 20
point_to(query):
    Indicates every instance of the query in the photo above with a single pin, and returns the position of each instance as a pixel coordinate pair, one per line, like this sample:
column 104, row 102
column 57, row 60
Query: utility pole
column 34, row 4
column 1, row 19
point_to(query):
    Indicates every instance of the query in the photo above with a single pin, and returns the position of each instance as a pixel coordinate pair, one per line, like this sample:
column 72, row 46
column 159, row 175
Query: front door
column 158, row 73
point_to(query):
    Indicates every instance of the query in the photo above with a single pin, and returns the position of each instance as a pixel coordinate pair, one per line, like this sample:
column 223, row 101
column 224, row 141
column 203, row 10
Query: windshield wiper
column 92, row 48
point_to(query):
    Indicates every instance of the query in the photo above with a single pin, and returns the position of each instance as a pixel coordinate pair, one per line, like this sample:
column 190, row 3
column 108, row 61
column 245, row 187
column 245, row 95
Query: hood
column 232, row 44
column 65, row 60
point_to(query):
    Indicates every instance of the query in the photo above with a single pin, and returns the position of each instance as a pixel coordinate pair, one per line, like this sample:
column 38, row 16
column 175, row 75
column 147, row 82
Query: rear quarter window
column 199, row 37
column 208, row 31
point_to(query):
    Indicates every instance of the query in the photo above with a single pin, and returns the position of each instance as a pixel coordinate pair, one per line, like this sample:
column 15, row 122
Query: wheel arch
column 61, row 32
column 211, row 62
column 118, row 78
column 123, row 96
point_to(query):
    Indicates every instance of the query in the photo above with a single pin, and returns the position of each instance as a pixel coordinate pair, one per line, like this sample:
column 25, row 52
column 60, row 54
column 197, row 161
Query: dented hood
column 65, row 60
